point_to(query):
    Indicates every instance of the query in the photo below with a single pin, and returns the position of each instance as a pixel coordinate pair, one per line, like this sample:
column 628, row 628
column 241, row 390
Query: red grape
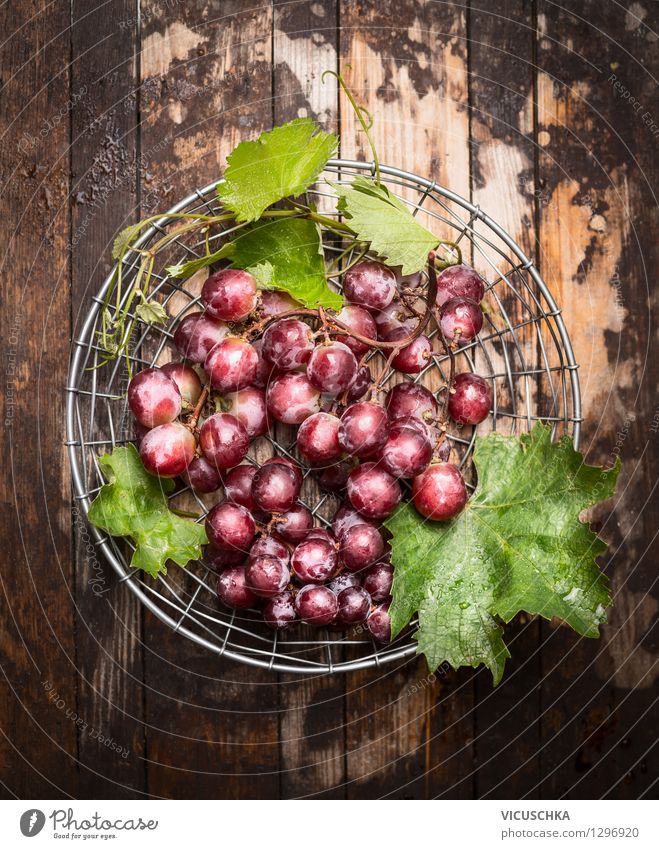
column 248, row 406
column 314, row 561
column 373, row 492
column 231, row 365
column 197, row 334
column 360, row 385
column 274, row 303
column 332, row 368
column 294, row 524
column 154, row 397
column 168, row 450
column 321, row 533
column 354, row 605
column 186, row 379
column 370, row 284
column 460, row 320
column 286, row 461
column 264, row 369
column 470, row 399
column 393, row 318
column 361, row 546
column 345, row 580
column 287, row 343
column 223, row 440
column 232, row 589
column 275, row 488
column 333, row 478
column 411, row 399
column 279, row 612
column 316, row 605
column 229, row 295
column 459, row 281
column 344, row 518
column 440, row 492
column 318, row 439
column 291, row 398
column 363, row 429
column 360, row 321
column 266, row 576
column 270, row 547
column 201, row 475
column 407, row 451
column 378, row 580
column 238, row 486
column 230, row 526
column 379, row 623
column 413, row 358
column 220, row 558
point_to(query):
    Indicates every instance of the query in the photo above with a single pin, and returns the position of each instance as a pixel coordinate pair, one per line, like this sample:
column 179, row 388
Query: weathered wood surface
column 512, row 103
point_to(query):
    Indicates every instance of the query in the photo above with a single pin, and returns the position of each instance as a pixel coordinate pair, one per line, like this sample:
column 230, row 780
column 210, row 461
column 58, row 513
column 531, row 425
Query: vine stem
column 192, row 424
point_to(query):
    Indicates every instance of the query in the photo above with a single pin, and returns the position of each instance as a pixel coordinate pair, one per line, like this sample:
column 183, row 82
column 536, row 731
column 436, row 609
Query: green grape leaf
column 134, row 504
column 377, row 216
column 286, row 254
column 517, row 546
column 151, row 312
column 281, row 163
column 183, row 270
column 125, row 239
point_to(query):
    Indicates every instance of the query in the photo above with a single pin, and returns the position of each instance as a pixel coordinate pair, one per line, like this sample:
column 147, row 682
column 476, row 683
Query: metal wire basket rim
column 82, row 496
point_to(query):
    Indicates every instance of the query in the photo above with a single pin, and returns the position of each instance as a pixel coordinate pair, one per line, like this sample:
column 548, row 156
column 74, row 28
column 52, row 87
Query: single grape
column 232, row 589
column 360, row 321
column 197, row 334
column 460, row 320
column 361, row 384
column 201, row 475
column 248, row 406
column 440, row 492
column 407, row 451
column 230, row 526
column 373, row 492
column 378, row 580
column 413, row 358
column 333, row 478
column 186, row 379
column 219, row 558
column 379, row 623
column 223, row 440
column 363, row 429
column 345, row 580
column 459, row 281
column 314, row 561
column 292, row 465
column 332, row 368
column 264, row 369
column 288, row 343
column 470, row 399
column 229, row 295
column 275, row 303
column 344, row 518
column 294, row 524
column 238, row 486
column 360, row 546
column 154, row 397
column 316, row 605
column 275, row 488
column 409, row 281
column 291, row 398
column 168, row 450
column 321, row 533
column 231, row 365
column 369, row 284
column 354, row 605
column 266, row 576
column 279, row 612
column 393, row 318
column 411, row 399
column 318, row 439
column 270, row 547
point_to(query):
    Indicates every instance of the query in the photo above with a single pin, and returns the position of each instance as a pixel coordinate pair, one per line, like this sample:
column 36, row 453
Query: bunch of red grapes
column 265, row 364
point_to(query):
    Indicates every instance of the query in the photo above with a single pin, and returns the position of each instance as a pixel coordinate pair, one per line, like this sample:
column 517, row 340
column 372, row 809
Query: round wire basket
column 523, row 349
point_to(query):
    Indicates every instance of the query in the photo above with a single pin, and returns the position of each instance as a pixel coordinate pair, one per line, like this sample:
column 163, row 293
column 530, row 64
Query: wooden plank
column 501, row 41
column 206, row 84
column 104, row 156
column 38, row 708
column 596, row 166
column 311, row 720
column 407, row 63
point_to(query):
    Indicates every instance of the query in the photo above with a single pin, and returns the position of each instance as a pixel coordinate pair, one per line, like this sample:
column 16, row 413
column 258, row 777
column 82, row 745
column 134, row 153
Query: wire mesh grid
column 523, row 349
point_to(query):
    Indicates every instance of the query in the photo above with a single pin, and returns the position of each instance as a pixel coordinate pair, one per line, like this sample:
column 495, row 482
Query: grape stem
column 192, row 424
column 442, row 419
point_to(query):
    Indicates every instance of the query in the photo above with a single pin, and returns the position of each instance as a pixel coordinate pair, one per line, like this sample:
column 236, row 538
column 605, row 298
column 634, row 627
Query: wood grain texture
column 38, row 744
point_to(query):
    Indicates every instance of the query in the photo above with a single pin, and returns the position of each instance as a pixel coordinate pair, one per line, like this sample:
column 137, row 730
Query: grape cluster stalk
column 251, row 359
